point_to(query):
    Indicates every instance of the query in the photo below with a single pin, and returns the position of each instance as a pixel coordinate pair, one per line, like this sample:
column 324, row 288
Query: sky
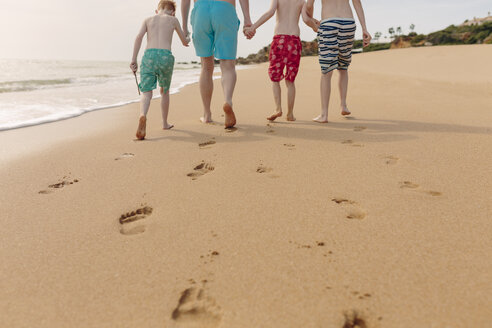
column 105, row 29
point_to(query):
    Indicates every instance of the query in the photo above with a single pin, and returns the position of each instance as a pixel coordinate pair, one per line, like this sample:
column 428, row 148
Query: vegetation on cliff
column 452, row 35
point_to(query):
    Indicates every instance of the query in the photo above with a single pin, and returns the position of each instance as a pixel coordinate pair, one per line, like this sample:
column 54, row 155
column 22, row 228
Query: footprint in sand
column 359, row 128
column 391, row 160
column 354, row 320
column 201, row 169
column 408, row 185
column 351, row 143
column 290, row 146
column 342, row 201
column 270, row 129
column 413, row 186
column 129, row 222
column 353, row 210
column 124, row 156
column 204, row 145
column 263, row 169
column 196, row 309
column 58, row 185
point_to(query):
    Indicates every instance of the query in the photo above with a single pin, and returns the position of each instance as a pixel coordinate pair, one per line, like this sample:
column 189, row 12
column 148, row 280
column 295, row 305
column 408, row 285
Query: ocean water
column 39, row 91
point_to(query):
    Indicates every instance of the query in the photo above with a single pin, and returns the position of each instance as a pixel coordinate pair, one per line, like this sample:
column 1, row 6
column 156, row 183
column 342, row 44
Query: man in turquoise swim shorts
column 215, row 28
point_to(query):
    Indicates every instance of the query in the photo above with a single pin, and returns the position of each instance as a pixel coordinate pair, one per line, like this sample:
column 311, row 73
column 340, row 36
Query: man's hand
column 366, row 36
column 134, row 67
column 249, row 32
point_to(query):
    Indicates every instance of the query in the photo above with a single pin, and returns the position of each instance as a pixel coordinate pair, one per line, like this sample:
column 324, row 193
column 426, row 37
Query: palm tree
column 398, row 30
column 391, row 31
column 377, row 35
column 412, row 27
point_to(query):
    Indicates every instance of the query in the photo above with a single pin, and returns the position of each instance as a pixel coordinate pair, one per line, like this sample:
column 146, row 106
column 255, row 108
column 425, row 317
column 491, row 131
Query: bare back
column 288, row 14
column 160, row 30
column 336, row 8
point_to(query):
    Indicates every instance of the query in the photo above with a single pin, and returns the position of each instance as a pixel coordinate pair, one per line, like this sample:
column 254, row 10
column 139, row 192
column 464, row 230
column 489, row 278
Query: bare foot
column 274, row 116
column 290, row 118
column 168, row 127
column 345, row 111
column 142, row 125
column 206, row 120
column 230, row 118
column 320, row 119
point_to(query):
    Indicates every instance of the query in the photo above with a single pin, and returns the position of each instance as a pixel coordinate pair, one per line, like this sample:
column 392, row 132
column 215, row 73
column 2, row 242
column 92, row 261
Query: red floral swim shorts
column 285, row 52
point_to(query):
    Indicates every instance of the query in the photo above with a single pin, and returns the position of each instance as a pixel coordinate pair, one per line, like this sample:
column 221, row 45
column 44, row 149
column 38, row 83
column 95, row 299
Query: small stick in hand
column 136, row 81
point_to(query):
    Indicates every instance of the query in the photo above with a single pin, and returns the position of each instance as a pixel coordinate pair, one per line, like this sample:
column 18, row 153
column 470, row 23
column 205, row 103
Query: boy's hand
column 315, row 24
column 249, row 32
column 134, row 66
column 366, row 36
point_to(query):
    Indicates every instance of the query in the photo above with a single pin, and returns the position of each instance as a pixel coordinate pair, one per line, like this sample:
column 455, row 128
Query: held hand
column 366, row 38
column 134, row 67
column 315, row 24
column 249, row 32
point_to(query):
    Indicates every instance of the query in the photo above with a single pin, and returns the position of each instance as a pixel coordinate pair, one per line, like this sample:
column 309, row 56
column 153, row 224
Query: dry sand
column 383, row 218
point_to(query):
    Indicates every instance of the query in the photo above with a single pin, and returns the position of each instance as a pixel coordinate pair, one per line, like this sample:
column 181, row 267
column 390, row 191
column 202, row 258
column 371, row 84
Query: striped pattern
column 335, row 40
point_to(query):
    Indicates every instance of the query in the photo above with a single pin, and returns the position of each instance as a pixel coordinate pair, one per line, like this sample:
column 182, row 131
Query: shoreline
column 73, row 113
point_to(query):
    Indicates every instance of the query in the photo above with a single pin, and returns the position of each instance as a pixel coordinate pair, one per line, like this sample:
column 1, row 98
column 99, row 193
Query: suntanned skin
column 159, row 29
column 288, row 14
column 228, row 68
column 336, row 9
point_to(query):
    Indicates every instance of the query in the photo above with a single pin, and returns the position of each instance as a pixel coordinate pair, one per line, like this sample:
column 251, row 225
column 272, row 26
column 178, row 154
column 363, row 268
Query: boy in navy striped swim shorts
column 335, row 40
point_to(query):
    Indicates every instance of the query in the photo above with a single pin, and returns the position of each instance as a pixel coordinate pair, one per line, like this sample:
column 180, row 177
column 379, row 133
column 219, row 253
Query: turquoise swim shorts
column 157, row 65
column 215, row 27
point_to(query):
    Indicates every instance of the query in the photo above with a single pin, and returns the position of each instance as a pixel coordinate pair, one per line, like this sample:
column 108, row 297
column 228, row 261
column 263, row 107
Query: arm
column 309, row 20
column 137, row 45
column 266, row 16
column 362, row 19
column 185, row 12
column 184, row 38
column 309, row 8
column 245, row 8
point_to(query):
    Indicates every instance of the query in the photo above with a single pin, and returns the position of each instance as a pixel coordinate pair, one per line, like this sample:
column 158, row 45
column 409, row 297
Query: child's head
column 167, row 5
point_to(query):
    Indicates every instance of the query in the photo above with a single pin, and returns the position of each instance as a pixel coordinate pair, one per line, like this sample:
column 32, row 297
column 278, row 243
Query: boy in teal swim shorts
column 215, row 35
column 158, row 61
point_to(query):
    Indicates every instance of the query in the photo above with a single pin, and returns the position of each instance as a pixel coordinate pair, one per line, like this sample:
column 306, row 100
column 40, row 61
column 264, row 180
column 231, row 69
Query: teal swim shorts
column 157, row 65
column 215, row 27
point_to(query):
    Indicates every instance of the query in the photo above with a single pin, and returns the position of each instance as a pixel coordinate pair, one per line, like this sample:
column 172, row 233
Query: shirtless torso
column 160, row 30
column 336, row 8
column 288, row 13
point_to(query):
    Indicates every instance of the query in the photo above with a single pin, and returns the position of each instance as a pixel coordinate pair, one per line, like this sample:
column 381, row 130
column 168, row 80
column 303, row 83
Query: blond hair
column 167, row 4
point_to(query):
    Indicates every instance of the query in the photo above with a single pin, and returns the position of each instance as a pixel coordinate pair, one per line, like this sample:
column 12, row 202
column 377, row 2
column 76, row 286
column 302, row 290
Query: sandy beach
column 382, row 219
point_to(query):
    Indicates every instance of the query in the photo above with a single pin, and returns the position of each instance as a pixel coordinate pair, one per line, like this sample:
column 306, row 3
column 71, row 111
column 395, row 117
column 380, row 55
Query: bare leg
column 144, row 109
column 325, row 97
column 229, row 78
column 291, row 99
column 165, row 110
column 277, row 96
column 343, row 86
column 207, row 87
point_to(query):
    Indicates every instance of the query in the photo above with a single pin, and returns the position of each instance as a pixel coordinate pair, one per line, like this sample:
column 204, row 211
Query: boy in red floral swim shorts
column 286, row 49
